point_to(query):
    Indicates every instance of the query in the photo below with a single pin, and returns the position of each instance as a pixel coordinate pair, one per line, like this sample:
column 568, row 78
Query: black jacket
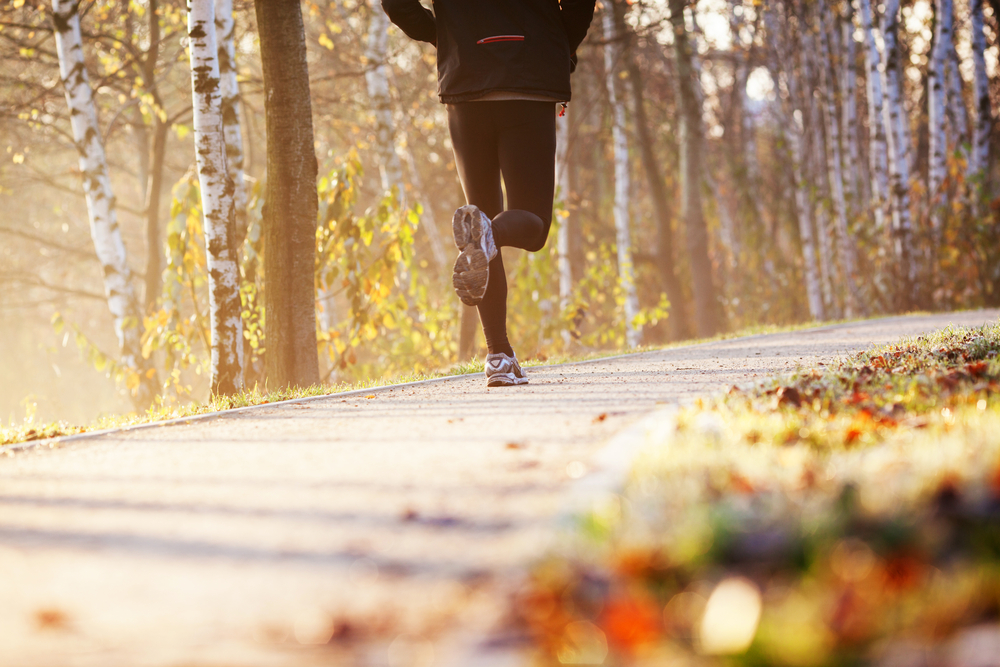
column 522, row 46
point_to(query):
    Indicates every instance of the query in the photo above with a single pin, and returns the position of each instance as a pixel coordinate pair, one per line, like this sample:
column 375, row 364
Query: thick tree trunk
column 937, row 112
column 898, row 136
column 623, row 178
column 706, row 306
column 225, row 27
column 216, row 202
column 291, row 202
column 979, row 158
column 678, row 322
column 845, row 247
column 877, row 158
column 104, row 231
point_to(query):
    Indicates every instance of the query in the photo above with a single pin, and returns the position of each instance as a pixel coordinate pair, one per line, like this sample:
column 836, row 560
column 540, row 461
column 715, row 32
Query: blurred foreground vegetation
column 845, row 515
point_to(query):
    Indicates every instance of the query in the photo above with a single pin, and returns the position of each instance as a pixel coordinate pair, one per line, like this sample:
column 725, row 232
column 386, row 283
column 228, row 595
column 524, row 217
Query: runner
column 503, row 66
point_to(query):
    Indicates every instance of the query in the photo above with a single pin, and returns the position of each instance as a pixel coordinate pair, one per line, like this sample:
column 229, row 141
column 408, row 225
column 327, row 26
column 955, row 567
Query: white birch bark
column 216, row 200
column 377, row 80
column 563, row 185
column 958, row 120
column 845, row 249
column 795, row 132
column 979, row 157
column 104, row 231
column 225, row 27
column 626, row 275
column 849, row 107
column 877, row 149
column 936, row 111
column 898, row 139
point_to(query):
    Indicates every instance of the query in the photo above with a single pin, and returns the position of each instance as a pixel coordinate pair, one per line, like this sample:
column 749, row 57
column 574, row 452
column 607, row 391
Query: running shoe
column 503, row 371
column 474, row 238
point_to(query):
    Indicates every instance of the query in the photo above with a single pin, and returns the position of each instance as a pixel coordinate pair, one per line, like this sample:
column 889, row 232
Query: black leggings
column 517, row 139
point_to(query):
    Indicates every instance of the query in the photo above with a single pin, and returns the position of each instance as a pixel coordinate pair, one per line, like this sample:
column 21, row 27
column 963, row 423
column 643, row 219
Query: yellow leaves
column 181, row 130
column 326, row 42
column 18, row 4
column 18, row 158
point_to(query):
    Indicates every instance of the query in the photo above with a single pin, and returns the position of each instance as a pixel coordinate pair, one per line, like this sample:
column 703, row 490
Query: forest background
column 723, row 164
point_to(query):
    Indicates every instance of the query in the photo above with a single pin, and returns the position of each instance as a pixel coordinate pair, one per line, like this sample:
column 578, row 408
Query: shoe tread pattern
column 470, row 275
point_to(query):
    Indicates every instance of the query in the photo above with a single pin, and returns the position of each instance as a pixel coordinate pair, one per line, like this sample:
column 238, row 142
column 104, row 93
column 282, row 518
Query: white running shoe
column 503, row 371
column 474, row 238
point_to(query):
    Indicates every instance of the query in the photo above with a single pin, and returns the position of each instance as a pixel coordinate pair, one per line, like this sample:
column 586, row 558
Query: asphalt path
column 386, row 528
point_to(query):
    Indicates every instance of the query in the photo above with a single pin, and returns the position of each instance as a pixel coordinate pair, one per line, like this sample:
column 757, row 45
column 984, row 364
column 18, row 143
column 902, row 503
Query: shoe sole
column 505, row 380
column 471, row 273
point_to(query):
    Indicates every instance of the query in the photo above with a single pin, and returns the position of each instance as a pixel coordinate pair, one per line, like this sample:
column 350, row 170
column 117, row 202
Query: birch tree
column 690, row 142
column 898, row 139
column 104, row 230
column 225, row 28
column 218, row 211
column 979, row 157
column 849, row 105
column 791, row 116
column 957, row 116
column 623, row 180
column 845, row 249
column 563, row 185
column 937, row 111
column 877, row 149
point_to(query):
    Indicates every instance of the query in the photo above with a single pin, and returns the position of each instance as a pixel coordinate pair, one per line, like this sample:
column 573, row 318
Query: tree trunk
column 154, row 264
column 564, row 186
column 623, row 182
column 845, row 248
column 936, row 112
column 707, row 319
column 898, row 137
column 104, row 231
column 377, row 80
column 878, row 161
column 958, row 119
column 216, row 201
column 678, row 321
column 225, row 27
column 849, row 107
column 979, row 158
column 291, row 200
column 778, row 56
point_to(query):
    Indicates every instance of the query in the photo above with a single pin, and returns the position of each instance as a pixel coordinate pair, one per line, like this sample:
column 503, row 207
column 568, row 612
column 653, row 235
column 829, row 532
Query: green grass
column 30, row 431
column 829, row 517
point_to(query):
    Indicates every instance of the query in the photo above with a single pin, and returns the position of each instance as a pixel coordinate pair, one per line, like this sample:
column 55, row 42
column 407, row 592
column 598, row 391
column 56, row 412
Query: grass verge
column 845, row 515
column 30, row 431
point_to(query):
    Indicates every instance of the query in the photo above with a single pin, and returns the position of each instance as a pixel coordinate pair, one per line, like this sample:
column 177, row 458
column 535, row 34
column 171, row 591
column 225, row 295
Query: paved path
column 380, row 529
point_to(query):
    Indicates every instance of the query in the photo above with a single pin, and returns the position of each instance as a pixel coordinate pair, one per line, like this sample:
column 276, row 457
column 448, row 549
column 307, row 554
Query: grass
column 843, row 515
column 29, row 431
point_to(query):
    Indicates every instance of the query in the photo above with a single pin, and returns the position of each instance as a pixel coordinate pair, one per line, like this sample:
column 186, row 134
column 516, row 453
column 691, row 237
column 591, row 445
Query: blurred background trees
column 767, row 163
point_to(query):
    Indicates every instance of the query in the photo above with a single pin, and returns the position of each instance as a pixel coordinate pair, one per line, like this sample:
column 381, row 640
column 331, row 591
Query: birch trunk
column 377, row 80
column 936, row 112
column 225, row 28
column 845, row 249
column 795, row 131
column 898, row 137
column 216, row 201
column 979, row 158
column 563, row 185
column 623, row 184
column 849, row 107
column 104, row 231
column 691, row 170
column 877, row 151
column 957, row 114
